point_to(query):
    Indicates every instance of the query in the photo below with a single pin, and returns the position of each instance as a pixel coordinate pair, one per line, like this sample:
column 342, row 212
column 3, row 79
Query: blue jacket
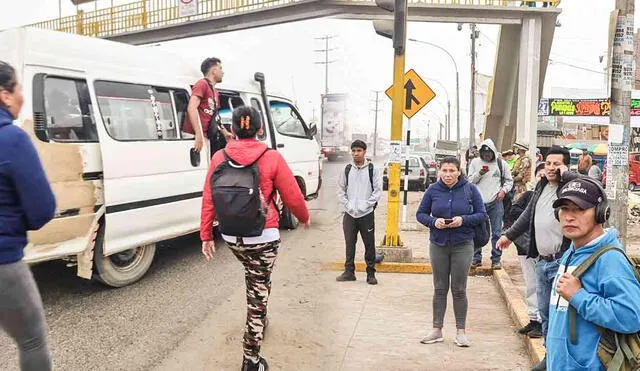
column 609, row 297
column 440, row 201
column 26, row 199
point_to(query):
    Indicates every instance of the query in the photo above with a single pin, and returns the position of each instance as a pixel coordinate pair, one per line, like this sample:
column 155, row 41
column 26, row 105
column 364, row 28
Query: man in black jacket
column 546, row 242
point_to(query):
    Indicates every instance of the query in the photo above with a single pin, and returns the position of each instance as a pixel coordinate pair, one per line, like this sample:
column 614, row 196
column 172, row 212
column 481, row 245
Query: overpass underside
column 523, row 51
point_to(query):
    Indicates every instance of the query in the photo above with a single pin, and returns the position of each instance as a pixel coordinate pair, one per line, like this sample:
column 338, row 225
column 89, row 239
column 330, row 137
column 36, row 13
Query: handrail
column 145, row 14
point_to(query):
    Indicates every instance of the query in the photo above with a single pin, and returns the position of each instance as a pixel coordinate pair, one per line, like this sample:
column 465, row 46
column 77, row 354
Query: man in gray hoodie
column 492, row 177
column 359, row 190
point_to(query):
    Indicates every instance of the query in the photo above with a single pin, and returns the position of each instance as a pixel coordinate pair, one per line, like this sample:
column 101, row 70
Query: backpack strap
column 501, row 172
column 467, row 192
column 371, row 175
column 347, row 169
column 578, row 272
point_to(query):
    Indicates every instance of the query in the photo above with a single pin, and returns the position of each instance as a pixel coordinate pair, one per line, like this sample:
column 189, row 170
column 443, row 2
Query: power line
column 552, row 61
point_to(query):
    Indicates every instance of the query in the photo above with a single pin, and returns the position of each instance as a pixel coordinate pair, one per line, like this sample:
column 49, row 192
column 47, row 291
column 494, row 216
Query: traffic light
column 396, row 30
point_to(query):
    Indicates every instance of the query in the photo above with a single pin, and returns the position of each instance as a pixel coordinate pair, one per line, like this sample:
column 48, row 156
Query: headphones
column 603, row 211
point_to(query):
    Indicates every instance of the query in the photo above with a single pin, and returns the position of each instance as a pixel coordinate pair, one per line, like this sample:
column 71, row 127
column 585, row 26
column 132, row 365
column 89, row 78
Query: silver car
column 418, row 174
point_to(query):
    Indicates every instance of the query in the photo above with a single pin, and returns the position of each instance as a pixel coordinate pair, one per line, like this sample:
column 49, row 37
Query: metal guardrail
column 145, row 14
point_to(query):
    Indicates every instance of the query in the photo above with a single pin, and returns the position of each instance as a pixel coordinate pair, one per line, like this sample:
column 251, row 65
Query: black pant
column 216, row 139
column 366, row 226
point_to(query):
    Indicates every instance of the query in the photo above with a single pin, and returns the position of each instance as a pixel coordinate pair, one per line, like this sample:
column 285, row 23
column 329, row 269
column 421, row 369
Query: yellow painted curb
column 390, row 267
column 518, row 310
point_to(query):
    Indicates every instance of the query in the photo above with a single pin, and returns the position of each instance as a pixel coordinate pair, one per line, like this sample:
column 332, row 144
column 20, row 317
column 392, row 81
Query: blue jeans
column 495, row 210
column 545, row 274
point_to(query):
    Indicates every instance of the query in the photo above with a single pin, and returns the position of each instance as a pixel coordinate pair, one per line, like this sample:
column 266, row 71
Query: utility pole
column 326, row 63
column 472, row 123
column 622, row 80
column 375, row 125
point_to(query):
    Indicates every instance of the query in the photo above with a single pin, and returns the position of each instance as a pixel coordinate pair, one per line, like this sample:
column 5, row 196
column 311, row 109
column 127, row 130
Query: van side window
column 69, row 111
column 181, row 101
column 228, row 103
column 136, row 112
column 287, row 121
column 256, row 104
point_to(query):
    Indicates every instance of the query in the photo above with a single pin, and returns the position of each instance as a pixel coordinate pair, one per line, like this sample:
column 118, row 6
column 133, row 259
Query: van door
column 152, row 180
column 298, row 147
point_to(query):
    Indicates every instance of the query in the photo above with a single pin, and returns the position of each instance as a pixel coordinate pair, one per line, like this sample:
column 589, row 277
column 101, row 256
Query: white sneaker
column 462, row 340
column 433, row 337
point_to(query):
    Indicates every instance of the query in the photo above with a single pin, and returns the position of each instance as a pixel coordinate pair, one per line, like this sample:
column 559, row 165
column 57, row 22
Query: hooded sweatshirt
column 358, row 198
column 274, row 173
column 440, row 201
column 26, row 200
column 609, row 297
column 489, row 183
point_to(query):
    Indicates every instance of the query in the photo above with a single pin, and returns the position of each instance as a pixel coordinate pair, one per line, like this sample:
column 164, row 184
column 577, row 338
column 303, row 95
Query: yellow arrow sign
column 416, row 93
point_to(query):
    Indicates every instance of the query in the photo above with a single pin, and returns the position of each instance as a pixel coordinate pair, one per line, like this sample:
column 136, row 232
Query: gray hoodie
column 359, row 199
column 489, row 183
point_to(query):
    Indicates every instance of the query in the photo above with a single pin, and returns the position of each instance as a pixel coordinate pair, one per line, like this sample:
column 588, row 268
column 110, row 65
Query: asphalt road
column 93, row 327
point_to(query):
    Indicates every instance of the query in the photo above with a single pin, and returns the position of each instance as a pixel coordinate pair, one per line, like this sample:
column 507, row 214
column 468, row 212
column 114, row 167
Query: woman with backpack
column 240, row 190
column 451, row 208
column 26, row 204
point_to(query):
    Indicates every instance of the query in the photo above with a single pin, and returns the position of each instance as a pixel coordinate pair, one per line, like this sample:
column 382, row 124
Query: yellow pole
column 392, row 236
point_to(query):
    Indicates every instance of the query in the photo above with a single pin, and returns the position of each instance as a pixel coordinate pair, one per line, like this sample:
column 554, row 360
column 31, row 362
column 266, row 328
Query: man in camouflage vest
column 521, row 172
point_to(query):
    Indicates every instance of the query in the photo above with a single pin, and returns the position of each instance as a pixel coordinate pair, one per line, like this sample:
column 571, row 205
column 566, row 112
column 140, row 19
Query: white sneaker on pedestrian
column 462, row 340
column 433, row 337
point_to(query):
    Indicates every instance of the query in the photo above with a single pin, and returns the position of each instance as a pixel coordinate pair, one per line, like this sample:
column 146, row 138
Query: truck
column 335, row 132
column 446, row 148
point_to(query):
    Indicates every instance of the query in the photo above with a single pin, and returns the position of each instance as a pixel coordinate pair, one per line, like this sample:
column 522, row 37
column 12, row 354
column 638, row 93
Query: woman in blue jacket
column 26, row 203
column 451, row 208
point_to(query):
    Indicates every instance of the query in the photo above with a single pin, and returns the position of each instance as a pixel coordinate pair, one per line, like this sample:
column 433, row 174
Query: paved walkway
column 384, row 324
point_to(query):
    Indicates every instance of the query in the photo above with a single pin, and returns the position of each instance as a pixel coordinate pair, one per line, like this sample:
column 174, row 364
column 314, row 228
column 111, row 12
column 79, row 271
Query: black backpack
column 482, row 231
column 347, row 169
column 240, row 206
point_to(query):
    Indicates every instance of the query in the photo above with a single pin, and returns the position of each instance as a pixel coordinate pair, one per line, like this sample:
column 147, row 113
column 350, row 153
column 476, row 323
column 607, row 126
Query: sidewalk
column 390, row 319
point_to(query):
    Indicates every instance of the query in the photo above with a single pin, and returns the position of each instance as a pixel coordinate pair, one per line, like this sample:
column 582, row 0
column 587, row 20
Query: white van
column 106, row 120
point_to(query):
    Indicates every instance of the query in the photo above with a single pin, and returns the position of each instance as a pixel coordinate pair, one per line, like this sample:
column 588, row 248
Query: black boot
column 536, row 332
column 530, row 326
column 248, row 365
column 371, row 279
column 346, row 276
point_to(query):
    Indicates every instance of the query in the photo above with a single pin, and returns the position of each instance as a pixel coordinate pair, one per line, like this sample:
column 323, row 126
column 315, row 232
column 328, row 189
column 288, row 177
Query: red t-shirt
column 209, row 103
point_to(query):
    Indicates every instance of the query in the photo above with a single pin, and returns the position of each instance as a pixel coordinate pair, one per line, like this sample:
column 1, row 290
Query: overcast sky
column 364, row 60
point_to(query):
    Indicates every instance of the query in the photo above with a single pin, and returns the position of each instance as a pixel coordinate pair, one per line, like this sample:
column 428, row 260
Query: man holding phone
column 492, row 177
column 546, row 242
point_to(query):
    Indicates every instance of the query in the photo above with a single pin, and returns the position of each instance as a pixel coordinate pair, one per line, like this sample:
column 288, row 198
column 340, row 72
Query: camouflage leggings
column 258, row 261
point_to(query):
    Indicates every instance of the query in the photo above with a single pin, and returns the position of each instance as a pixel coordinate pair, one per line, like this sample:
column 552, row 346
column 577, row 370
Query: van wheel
column 287, row 219
column 632, row 186
column 123, row 268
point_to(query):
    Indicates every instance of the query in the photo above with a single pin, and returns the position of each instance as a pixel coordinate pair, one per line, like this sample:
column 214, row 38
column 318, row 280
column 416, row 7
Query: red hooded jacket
column 274, row 172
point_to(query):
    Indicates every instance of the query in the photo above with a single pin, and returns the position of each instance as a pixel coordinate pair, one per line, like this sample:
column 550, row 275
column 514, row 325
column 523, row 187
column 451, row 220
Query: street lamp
column 455, row 65
column 448, row 109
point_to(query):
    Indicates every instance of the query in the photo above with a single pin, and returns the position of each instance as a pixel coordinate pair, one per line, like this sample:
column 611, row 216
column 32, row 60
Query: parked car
column 418, row 170
column 429, row 160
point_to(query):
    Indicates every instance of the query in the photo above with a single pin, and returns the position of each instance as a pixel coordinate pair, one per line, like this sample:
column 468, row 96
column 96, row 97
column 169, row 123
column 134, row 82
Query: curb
column 518, row 310
column 390, row 267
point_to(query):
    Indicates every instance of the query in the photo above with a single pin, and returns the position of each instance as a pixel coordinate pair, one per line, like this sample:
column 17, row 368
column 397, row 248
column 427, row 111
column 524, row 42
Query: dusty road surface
column 187, row 314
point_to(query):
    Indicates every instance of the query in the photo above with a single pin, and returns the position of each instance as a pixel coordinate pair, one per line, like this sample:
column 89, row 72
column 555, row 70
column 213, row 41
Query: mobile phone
column 485, row 168
column 448, row 221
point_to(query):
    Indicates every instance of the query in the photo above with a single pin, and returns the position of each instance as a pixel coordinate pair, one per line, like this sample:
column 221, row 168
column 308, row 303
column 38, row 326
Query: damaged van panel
column 76, row 198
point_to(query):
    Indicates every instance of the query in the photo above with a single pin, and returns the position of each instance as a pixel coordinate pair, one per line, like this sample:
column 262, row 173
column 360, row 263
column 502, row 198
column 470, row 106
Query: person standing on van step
column 240, row 190
column 204, row 104
column 359, row 190
column 26, row 203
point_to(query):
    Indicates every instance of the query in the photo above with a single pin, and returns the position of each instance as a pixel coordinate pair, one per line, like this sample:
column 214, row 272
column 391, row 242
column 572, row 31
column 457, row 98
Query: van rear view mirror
column 313, row 130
